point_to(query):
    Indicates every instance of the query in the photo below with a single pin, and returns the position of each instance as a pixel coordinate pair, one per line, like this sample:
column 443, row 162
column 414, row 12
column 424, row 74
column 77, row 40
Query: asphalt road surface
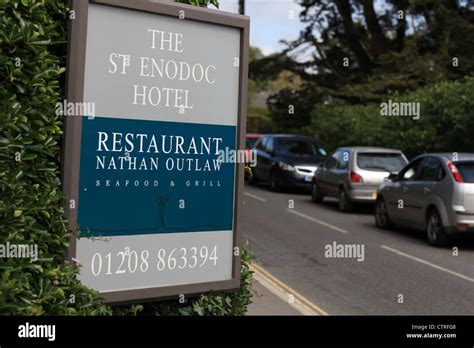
column 398, row 265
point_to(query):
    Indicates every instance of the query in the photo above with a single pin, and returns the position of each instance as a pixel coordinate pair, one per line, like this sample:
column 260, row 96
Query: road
column 290, row 244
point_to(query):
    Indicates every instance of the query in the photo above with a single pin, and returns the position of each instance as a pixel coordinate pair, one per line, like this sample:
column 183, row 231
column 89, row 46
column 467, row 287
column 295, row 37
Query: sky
column 270, row 22
column 275, row 20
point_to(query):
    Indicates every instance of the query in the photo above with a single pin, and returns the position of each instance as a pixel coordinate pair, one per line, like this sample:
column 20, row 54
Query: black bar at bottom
column 411, row 330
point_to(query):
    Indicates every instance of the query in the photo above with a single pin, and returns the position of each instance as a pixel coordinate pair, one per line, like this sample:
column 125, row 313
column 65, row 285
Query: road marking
column 462, row 276
column 317, row 221
column 255, row 197
column 301, row 303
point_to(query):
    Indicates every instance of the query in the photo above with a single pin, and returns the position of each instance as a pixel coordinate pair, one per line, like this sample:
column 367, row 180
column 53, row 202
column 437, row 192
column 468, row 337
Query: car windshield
column 467, row 171
column 299, row 147
column 250, row 142
column 387, row 162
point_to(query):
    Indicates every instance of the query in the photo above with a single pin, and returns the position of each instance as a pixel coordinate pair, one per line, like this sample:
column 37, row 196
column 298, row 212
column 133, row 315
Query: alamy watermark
column 345, row 251
column 28, row 330
column 237, row 156
column 19, row 251
column 404, row 109
column 66, row 108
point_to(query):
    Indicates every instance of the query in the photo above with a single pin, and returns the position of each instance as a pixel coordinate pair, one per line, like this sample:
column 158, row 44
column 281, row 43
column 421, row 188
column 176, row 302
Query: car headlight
column 286, row 166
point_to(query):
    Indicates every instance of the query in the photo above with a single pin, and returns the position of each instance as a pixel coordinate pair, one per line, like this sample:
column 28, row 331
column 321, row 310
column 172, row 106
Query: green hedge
column 32, row 68
column 446, row 122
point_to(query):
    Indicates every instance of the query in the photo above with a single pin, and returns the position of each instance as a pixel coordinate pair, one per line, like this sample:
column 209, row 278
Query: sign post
column 151, row 191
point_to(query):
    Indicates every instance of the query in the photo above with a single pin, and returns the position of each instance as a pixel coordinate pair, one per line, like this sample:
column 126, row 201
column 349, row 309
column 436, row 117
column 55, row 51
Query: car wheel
column 345, row 204
column 316, row 195
column 435, row 230
column 382, row 219
column 273, row 182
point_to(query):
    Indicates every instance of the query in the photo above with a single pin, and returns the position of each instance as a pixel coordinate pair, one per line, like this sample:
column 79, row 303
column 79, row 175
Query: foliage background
column 33, row 46
column 446, row 122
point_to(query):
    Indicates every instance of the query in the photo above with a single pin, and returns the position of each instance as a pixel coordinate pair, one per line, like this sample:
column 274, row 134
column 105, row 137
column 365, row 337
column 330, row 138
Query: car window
column 409, row 173
column 269, row 145
column 387, row 162
column 300, row 147
column 441, row 173
column 466, row 169
column 261, row 143
column 333, row 161
column 250, row 142
column 429, row 169
column 343, row 159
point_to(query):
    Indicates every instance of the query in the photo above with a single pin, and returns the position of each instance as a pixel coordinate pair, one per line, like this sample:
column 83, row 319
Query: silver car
column 354, row 174
column 433, row 193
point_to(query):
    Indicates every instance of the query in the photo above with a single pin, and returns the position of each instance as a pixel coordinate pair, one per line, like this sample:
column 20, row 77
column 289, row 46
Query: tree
column 361, row 52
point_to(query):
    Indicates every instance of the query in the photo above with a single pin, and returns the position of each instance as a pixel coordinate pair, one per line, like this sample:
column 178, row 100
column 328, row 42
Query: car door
column 341, row 173
column 325, row 179
column 262, row 159
column 268, row 158
column 419, row 192
column 396, row 194
column 320, row 176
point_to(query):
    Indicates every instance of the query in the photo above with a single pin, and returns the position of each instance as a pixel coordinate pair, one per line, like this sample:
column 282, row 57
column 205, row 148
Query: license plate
column 307, row 178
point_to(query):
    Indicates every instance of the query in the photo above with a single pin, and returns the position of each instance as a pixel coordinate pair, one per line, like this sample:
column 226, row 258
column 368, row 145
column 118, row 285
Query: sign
column 155, row 203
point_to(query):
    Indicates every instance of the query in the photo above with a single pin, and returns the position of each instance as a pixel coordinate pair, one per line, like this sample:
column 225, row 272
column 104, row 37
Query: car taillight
column 356, row 178
column 455, row 172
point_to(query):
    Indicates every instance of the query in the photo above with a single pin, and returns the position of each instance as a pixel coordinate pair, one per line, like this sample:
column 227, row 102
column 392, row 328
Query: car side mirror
column 393, row 177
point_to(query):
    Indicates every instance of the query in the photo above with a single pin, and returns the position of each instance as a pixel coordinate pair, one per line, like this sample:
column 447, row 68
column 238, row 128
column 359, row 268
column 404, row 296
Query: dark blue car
column 285, row 160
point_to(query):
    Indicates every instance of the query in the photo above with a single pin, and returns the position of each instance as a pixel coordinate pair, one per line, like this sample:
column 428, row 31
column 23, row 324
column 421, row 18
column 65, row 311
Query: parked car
column 250, row 141
column 286, row 160
column 434, row 193
column 353, row 174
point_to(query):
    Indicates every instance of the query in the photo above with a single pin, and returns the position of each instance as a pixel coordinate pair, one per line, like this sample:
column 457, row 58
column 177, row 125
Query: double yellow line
column 308, row 307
